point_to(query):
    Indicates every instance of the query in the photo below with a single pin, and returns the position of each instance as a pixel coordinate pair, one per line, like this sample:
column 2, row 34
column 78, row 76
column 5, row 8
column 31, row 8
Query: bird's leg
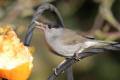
column 76, row 57
column 76, row 54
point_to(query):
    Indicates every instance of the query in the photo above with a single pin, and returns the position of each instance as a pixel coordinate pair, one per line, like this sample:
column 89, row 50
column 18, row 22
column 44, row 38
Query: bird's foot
column 76, row 57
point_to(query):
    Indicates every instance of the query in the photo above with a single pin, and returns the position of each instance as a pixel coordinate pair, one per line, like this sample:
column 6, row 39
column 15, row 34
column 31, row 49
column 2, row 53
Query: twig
column 69, row 73
column 106, row 13
column 98, row 23
column 61, row 68
column 84, row 54
column 29, row 34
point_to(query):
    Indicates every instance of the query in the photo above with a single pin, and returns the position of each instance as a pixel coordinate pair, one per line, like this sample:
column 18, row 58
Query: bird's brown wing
column 70, row 37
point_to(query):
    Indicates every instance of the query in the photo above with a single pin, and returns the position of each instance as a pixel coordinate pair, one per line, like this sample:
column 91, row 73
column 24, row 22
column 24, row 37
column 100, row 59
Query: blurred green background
column 81, row 15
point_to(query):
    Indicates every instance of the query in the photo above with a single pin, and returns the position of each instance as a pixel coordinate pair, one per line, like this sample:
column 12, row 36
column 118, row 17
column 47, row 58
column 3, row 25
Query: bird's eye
column 52, row 26
column 49, row 26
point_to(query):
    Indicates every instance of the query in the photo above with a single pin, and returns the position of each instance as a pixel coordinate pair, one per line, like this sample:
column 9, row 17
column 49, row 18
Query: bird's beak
column 40, row 25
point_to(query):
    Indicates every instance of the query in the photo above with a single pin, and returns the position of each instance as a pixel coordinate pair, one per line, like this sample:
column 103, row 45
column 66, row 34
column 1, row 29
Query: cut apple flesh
column 15, row 58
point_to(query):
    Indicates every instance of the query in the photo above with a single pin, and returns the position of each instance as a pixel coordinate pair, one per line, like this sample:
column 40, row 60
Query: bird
column 66, row 42
column 63, row 41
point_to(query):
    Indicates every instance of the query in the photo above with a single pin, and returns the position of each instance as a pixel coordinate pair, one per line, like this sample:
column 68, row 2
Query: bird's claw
column 76, row 57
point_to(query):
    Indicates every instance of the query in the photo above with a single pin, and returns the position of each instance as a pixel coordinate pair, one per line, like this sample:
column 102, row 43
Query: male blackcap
column 64, row 42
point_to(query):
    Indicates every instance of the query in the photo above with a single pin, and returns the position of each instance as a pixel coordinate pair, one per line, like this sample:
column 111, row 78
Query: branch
column 106, row 13
column 84, row 54
column 98, row 23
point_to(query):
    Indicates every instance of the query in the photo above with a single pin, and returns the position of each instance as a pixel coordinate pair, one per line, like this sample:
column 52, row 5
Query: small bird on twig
column 65, row 42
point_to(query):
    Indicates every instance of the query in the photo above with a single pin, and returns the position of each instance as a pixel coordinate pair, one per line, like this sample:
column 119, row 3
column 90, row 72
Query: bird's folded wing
column 70, row 37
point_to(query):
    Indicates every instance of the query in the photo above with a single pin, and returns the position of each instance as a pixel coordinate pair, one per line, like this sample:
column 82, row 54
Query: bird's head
column 50, row 31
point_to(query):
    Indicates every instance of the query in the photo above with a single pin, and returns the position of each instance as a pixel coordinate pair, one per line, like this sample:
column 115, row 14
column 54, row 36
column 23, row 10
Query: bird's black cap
column 49, row 7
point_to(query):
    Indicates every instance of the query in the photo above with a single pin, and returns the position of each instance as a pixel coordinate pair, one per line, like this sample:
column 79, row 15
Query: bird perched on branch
column 64, row 42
